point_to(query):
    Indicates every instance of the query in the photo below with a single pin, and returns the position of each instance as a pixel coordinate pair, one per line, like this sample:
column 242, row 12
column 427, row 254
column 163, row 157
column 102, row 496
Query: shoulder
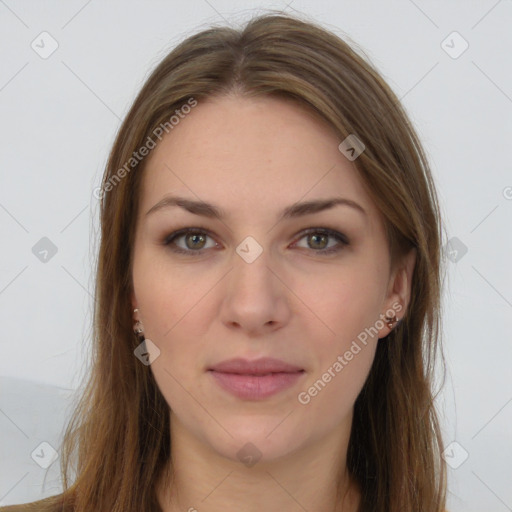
column 26, row 507
column 52, row 504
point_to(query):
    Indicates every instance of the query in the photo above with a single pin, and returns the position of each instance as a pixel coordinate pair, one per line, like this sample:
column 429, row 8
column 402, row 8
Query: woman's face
column 266, row 279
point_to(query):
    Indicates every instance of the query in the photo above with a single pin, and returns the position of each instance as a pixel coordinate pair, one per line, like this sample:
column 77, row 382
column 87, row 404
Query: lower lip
column 254, row 387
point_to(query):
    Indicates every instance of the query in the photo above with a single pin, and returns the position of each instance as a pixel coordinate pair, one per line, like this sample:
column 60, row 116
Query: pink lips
column 255, row 380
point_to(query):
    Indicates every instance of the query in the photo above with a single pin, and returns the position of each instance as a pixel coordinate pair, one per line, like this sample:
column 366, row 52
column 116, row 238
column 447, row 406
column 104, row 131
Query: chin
column 253, row 441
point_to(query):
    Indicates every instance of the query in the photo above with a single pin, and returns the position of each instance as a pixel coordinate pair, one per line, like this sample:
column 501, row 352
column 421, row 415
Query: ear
column 399, row 291
column 133, row 301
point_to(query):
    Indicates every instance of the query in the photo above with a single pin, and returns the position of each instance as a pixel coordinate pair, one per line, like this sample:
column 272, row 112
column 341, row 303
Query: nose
column 256, row 300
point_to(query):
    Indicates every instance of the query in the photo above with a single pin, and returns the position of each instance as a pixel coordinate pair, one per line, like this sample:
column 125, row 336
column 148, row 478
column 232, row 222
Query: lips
column 262, row 366
column 255, row 380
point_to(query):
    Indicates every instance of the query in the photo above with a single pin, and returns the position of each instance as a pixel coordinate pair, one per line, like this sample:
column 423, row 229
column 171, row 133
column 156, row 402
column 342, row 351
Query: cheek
column 345, row 301
column 345, row 340
column 171, row 300
column 331, row 394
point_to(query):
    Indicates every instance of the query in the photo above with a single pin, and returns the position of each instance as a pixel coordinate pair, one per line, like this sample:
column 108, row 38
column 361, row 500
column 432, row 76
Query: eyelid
column 342, row 239
column 169, row 239
column 326, row 231
column 184, row 231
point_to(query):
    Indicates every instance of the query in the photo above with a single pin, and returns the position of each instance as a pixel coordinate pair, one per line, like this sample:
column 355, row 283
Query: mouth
column 260, row 367
column 255, row 380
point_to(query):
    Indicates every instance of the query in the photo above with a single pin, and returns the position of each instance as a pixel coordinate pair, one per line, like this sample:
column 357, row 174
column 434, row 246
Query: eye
column 194, row 240
column 317, row 239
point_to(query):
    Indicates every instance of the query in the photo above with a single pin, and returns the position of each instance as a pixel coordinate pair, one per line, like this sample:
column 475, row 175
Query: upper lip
column 260, row 366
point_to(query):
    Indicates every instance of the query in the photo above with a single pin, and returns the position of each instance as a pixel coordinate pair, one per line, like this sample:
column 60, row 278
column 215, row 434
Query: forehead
column 251, row 154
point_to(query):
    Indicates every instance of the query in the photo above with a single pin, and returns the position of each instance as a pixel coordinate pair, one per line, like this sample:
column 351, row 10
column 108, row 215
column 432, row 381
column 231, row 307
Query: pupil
column 194, row 238
column 315, row 237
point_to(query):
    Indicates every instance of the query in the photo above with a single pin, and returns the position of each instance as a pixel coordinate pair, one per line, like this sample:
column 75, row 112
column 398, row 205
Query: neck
column 312, row 478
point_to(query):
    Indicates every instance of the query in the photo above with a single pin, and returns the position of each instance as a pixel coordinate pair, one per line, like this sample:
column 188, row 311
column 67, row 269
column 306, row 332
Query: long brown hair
column 118, row 440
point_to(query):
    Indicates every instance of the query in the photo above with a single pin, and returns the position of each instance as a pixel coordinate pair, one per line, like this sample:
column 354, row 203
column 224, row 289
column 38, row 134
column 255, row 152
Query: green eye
column 195, row 241
column 317, row 239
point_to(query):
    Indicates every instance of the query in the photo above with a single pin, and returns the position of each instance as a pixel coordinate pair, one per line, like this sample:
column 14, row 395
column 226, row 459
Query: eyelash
column 170, row 239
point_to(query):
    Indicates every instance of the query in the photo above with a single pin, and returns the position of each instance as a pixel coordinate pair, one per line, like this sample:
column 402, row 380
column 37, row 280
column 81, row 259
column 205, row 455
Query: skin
column 253, row 158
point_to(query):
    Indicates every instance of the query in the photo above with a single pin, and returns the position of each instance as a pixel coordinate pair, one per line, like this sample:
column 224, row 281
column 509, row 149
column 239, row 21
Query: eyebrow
column 295, row 210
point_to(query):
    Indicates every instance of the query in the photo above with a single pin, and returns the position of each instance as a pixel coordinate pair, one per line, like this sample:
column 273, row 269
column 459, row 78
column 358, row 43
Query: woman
column 268, row 290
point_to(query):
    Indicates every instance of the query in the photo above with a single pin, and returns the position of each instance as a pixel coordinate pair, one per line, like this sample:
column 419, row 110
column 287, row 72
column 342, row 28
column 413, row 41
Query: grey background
column 59, row 116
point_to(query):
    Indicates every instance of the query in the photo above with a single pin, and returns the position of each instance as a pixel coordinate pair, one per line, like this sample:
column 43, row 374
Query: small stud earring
column 391, row 321
column 138, row 328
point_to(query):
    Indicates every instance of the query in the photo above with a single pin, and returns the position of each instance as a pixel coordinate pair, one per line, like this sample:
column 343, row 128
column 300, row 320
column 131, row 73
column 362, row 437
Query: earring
column 391, row 320
column 138, row 328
